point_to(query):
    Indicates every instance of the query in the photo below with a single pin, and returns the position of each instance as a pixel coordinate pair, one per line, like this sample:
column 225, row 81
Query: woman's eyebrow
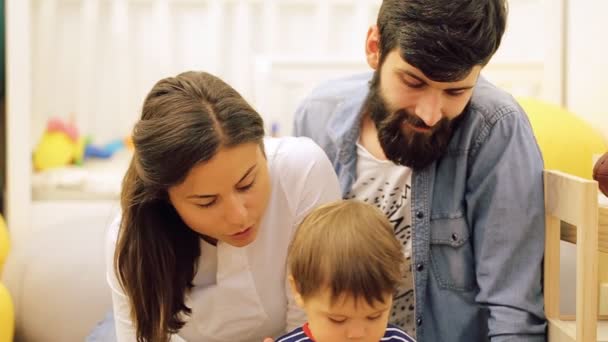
column 247, row 173
column 203, row 196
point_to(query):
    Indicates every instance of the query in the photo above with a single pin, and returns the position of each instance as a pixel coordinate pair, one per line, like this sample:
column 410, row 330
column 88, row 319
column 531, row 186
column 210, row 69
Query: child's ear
column 296, row 294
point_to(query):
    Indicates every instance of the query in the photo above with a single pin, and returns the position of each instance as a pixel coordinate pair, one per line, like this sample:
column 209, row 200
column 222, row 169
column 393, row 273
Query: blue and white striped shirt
column 302, row 334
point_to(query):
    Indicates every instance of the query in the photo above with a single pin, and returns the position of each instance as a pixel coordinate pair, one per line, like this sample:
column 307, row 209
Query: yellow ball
column 7, row 316
column 55, row 149
column 567, row 142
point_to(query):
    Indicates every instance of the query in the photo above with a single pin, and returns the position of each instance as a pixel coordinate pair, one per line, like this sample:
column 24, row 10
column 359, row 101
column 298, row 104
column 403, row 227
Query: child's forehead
column 346, row 302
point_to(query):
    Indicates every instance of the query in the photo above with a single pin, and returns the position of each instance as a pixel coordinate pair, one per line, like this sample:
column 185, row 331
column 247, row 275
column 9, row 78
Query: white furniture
column 57, row 276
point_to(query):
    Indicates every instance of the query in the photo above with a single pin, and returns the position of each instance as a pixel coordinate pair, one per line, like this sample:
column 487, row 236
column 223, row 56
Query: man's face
column 414, row 115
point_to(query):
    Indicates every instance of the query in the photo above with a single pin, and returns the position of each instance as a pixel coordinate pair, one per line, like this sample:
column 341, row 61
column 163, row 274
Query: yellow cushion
column 7, row 316
column 566, row 141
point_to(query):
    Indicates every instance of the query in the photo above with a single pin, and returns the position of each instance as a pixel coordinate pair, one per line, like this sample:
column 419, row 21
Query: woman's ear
column 296, row 294
column 372, row 47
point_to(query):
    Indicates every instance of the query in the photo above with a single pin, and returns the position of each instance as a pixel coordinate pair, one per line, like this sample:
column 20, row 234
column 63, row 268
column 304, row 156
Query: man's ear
column 296, row 294
column 372, row 47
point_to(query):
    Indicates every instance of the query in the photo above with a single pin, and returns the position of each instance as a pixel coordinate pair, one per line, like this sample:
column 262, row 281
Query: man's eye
column 414, row 85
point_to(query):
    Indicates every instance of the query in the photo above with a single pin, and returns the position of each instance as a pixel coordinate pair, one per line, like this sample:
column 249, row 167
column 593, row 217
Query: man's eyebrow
column 411, row 74
column 459, row 88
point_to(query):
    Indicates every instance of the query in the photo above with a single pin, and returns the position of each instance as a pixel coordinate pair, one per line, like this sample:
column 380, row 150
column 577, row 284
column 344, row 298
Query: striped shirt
column 303, row 334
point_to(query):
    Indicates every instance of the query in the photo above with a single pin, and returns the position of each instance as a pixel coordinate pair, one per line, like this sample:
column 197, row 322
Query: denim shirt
column 477, row 213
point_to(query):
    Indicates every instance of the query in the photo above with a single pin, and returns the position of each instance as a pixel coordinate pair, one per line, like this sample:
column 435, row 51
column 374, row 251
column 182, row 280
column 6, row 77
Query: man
column 453, row 163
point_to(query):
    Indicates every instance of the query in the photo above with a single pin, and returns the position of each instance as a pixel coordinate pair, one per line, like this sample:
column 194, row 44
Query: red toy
column 600, row 173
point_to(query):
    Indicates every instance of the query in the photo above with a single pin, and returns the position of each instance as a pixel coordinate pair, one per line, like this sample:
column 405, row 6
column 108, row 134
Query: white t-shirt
column 241, row 294
column 388, row 187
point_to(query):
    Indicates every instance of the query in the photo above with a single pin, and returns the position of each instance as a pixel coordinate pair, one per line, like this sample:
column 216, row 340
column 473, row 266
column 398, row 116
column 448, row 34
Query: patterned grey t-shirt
column 387, row 186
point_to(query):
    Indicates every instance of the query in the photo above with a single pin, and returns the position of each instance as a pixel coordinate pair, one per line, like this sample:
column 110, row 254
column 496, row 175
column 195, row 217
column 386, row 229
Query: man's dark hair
column 444, row 39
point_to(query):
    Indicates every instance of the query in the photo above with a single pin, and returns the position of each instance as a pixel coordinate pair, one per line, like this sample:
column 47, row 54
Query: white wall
column 587, row 61
column 94, row 60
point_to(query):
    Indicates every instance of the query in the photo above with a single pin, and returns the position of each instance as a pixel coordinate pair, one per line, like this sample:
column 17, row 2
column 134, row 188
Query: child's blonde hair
column 347, row 247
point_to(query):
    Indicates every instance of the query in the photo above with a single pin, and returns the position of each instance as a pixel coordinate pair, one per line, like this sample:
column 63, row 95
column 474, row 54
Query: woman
column 208, row 209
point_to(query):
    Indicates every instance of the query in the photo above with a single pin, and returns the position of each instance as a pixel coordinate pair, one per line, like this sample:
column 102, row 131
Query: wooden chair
column 573, row 214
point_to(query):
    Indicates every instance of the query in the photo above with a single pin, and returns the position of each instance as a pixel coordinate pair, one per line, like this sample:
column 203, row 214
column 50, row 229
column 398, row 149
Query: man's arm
column 505, row 204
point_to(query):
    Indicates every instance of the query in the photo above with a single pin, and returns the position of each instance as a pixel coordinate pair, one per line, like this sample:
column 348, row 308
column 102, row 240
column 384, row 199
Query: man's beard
column 413, row 149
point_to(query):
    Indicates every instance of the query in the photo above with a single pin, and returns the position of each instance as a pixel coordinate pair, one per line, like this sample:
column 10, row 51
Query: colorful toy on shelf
column 62, row 145
column 105, row 151
column 129, row 143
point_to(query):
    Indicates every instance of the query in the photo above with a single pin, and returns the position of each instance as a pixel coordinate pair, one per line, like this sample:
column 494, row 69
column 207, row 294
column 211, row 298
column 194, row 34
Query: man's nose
column 428, row 108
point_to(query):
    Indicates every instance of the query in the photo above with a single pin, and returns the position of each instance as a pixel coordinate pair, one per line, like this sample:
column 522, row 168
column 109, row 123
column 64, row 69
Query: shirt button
column 419, row 322
column 419, row 267
column 454, row 237
column 420, row 214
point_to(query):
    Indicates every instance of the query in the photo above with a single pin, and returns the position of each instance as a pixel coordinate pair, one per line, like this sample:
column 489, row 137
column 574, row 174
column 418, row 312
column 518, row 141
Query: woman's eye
column 246, row 187
column 206, row 205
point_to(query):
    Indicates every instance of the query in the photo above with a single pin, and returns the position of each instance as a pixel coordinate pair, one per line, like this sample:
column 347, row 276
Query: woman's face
column 225, row 198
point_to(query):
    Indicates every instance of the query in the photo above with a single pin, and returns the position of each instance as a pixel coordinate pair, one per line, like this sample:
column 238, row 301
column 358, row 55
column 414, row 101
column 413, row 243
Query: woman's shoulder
column 112, row 233
column 301, row 173
column 292, row 152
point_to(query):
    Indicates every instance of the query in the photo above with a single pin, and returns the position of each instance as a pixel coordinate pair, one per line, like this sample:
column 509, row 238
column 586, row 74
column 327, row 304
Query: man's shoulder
column 489, row 106
column 493, row 103
column 332, row 106
column 326, row 97
column 340, row 88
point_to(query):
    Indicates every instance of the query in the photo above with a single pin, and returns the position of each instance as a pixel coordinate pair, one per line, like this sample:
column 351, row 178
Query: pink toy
column 56, row 125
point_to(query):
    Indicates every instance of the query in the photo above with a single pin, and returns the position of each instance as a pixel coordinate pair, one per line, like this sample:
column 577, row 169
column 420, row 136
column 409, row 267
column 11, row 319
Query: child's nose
column 356, row 332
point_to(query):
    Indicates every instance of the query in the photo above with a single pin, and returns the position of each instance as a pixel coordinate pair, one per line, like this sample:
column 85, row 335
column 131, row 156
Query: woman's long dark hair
column 185, row 120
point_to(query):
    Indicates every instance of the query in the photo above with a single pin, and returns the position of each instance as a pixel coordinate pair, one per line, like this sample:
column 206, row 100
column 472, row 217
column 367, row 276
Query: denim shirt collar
column 343, row 128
